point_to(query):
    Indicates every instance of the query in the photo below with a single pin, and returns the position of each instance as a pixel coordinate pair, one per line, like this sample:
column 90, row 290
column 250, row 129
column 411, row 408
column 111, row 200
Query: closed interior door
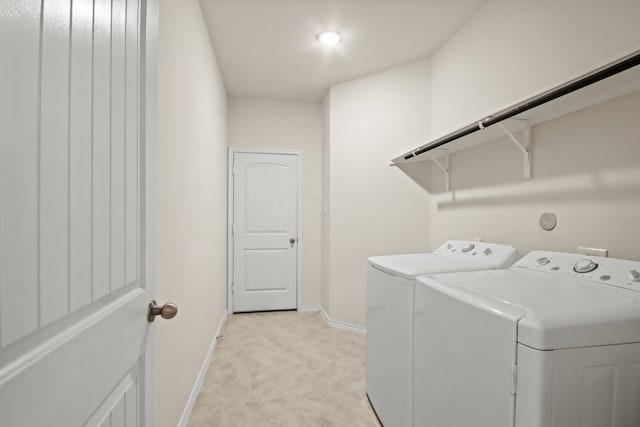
column 74, row 269
column 265, row 231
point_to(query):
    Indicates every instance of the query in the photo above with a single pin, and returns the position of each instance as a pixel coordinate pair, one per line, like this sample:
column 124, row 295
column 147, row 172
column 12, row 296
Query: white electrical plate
column 593, row 251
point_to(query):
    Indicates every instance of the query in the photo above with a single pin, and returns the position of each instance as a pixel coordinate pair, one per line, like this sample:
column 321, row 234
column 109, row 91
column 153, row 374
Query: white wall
column 192, row 200
column 512, row 49
column 585, row 164
column 586, row 170
column 260, row 123
column 374, row 209
column 509, row 51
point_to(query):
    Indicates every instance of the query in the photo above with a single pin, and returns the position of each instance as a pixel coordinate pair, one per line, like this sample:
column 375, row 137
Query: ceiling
column 267, row 48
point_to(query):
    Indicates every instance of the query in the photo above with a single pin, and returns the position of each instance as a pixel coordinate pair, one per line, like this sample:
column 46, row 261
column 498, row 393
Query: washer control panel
column 492, row 252
column 608, row 271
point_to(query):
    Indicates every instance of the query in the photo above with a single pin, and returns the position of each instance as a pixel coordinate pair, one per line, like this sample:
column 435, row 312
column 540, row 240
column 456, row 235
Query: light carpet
column 284, row 369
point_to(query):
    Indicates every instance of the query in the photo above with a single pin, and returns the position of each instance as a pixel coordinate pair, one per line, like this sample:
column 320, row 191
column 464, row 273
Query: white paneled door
column 265, row 231
column 77, row 124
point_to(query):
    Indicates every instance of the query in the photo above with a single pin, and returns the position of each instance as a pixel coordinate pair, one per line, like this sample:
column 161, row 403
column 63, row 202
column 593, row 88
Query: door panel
column 117, row 144
column 265, row 218
column 101, row 148
column 266, row 269
column 596, row 386
column 80, row 159
column 73, row 200
column 19, row 41
column 132, row 149
column 53, row 161
column 64, row 379
column 120, row 409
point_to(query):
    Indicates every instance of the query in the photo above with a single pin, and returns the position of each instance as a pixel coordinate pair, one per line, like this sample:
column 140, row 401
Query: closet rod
column 623, row 64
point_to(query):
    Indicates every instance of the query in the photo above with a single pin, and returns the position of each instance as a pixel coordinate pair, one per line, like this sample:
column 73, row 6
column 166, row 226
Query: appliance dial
column 468, row 247
column 634, row 276
column 543, row 261
column 488, row 251
column 585, row 266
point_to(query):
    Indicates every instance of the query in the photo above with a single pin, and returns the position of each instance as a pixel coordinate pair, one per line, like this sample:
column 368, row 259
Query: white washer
column 390, row 294
column 553, row 341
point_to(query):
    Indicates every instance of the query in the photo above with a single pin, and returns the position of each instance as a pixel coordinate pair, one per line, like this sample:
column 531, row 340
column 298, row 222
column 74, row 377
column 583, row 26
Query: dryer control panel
column 607, row 271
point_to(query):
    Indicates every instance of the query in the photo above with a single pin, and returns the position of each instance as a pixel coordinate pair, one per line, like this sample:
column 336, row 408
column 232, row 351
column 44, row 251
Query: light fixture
column 329, row 38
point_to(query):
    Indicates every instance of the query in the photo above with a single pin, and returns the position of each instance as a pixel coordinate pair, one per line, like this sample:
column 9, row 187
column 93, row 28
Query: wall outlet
column 593, row 251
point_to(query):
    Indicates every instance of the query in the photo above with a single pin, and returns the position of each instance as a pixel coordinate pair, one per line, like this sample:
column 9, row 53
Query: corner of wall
column 325, row 203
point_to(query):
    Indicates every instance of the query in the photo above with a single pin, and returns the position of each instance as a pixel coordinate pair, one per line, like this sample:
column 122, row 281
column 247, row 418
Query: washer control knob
column 487, row 251
column 543, row 261
column 585, row 266
column 634, row 276
column 468, row 247
column 449, row 245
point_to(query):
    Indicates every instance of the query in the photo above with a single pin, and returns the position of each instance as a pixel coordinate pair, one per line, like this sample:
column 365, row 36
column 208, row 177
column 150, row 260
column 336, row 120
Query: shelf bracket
column 524, row 146
column 445, row 169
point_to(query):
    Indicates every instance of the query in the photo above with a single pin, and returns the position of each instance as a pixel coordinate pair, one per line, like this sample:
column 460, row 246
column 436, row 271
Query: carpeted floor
column 284, row 369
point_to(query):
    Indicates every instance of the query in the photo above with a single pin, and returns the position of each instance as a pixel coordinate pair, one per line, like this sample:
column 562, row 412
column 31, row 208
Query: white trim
column 46, row 348
column 307, row 308
column 148, row 109
column 232, row 151
column 263, row 150
column 99, row 416
column 299, row 236
column 230, row 232
column 201, row 376
column 341, row 325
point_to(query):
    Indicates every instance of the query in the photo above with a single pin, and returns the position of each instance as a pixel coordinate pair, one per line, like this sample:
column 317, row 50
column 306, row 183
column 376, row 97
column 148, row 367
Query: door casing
column 230, row 260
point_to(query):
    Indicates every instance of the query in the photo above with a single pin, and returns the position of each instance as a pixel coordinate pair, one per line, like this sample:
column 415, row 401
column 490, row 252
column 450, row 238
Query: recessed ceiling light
column 329, row 38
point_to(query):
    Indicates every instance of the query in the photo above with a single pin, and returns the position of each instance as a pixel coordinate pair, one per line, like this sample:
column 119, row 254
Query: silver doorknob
column 167, row 311
column 292, row 240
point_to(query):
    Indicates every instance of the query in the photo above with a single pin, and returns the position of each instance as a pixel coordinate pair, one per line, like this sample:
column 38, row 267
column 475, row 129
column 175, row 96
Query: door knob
column 167, row 311
column 292, row 240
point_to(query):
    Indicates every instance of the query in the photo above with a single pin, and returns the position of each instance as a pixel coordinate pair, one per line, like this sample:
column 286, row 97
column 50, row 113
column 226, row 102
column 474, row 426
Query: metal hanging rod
column 609, row 70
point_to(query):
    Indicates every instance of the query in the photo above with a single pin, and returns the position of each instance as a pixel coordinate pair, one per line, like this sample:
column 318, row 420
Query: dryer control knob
column 487, row 251
column 468, row 247
column 585, row 266
column 634, row 276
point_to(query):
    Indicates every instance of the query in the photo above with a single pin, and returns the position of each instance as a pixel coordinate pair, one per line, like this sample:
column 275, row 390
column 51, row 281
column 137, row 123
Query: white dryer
column 553, row 341
column 390, row 296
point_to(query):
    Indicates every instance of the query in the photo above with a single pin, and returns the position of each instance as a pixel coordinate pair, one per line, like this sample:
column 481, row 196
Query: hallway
column 284, row 369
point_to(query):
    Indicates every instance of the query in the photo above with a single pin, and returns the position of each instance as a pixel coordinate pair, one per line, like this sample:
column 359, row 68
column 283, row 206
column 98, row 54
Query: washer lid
column 558, row 311
column 411, row 266
column 449, row 257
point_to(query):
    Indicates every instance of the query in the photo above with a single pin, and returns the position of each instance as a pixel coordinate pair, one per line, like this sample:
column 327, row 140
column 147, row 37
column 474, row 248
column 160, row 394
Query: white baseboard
column 309, row 308
column 341, row 325
column 201, row 375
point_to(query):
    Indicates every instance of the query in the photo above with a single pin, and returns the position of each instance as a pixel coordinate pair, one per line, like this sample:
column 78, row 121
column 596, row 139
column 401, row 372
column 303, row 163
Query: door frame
column 230, row 260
